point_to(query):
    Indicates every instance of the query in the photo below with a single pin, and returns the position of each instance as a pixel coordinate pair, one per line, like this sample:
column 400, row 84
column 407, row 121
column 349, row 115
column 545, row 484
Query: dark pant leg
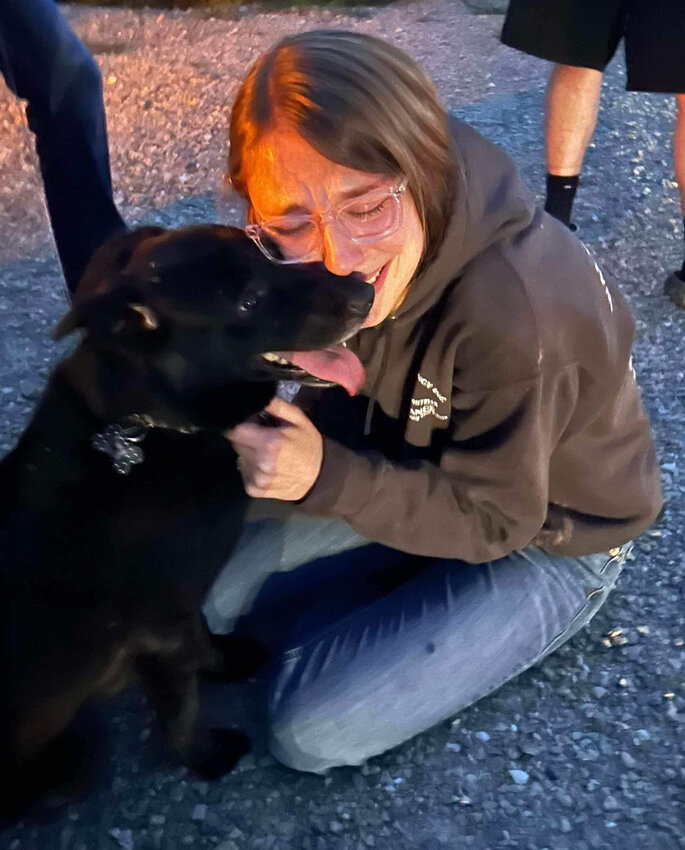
column 441, row 641
column 655, row 40
column 44, row 63
column 583, row 33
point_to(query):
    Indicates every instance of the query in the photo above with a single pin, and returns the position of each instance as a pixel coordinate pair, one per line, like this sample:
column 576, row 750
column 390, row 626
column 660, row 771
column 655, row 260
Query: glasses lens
column 371, row 217
column 271, row 248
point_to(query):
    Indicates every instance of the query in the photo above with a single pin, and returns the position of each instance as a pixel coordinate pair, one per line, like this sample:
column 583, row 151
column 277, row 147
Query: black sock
column 682, row 271
column 561, row 192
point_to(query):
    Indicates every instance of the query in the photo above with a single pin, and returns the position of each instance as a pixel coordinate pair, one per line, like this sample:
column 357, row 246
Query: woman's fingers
column 279, row 461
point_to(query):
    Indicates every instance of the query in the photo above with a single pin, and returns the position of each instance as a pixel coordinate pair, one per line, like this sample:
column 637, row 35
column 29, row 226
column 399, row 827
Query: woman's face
column 285, row 175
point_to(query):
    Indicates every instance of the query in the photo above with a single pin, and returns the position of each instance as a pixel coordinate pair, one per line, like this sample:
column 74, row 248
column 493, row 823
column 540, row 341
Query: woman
column 497, row 456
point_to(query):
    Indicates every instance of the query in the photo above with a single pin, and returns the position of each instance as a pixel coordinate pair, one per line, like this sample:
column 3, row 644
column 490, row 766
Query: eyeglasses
column 295, row 238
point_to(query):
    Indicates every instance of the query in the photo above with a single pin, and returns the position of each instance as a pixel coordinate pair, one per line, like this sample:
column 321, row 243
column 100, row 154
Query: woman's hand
column 282, row 461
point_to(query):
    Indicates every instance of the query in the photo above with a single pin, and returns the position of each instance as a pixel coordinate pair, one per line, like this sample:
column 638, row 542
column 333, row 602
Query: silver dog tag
column 287, row 390
column 120, row 444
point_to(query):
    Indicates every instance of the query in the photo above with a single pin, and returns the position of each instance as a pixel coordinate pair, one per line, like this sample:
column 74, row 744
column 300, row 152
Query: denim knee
column 305, row 745
column 313, row 734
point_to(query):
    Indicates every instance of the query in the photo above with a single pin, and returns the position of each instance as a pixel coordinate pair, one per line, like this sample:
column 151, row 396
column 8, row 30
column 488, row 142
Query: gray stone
column 123, row 837
column 628, row 760
column 610, row 804
column 520, row 777
column 199, row 812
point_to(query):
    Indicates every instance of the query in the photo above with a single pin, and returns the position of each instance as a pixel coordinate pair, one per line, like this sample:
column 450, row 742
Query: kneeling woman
column 470, row 509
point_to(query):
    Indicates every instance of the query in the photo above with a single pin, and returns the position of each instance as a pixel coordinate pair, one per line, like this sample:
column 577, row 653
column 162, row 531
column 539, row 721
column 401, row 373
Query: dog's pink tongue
column 336, row 364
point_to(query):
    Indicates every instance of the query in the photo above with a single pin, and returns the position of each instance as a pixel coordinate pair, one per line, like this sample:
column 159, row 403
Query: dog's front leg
column 229, row 658
column 170, row 682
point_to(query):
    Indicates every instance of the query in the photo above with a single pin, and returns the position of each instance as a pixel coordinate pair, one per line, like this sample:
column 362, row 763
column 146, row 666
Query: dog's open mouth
column 332, row 365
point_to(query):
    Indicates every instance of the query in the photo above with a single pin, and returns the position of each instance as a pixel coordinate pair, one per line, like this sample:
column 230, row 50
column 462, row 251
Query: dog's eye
column 248, row 302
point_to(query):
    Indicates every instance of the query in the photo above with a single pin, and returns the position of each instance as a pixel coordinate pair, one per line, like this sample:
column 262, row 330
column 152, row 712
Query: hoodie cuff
column 343, row 483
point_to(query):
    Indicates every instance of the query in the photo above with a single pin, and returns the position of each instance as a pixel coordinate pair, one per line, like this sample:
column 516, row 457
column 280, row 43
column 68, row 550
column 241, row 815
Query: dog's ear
column 121, row 313
column 108, row 311
column 110, row 260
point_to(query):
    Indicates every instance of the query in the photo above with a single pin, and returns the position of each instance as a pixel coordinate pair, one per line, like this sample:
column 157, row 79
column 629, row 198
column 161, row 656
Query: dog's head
column 209, row 324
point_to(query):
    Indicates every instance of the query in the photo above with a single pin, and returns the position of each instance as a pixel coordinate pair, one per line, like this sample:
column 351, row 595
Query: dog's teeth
column 274, row 358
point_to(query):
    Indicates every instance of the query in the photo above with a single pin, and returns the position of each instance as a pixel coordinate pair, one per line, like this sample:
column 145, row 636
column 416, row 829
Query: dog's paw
column 236, row 658
column 68, row 770
column 217, row 752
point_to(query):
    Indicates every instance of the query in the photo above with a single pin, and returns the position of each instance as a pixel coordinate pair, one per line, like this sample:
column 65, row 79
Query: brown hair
column 360, row 102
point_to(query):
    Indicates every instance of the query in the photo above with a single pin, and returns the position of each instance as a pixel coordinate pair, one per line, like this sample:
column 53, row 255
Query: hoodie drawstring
column 385, row 340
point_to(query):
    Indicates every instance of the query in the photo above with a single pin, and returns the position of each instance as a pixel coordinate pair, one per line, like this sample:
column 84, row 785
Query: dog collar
column 121, row 441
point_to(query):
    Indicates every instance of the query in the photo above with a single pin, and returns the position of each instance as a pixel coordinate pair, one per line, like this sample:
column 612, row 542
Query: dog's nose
column 360, row 303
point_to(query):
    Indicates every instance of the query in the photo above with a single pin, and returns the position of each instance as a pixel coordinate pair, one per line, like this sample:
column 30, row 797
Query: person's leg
column 580, row 38
column 654, row 59
column 447, row 637
column 675, row 282
column 573, row 96
column 267, row 547
column 44, row 63
column 679, row 152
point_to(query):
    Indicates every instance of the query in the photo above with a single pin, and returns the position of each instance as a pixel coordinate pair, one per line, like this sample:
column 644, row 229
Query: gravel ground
column 584, row 751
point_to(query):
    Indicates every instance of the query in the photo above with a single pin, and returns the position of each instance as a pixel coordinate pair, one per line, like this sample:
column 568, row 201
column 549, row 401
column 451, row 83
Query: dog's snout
column 359, row 307
column 360, row 302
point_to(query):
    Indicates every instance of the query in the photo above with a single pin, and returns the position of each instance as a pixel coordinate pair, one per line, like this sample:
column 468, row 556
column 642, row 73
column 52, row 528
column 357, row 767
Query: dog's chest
column 173, row 520
column 184, row 500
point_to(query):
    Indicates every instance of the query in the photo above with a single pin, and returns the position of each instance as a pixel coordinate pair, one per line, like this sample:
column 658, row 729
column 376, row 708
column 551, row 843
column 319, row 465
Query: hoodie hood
column 492, row 204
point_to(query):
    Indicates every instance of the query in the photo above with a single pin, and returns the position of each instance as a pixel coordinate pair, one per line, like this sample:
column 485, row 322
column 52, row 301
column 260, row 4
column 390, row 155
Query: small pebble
column 123, row 837
column 628, row 760
column 565, row 824
column 610, row 804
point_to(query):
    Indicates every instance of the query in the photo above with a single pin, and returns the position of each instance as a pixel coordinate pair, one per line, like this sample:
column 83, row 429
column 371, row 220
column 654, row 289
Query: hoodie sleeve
column 487, row 497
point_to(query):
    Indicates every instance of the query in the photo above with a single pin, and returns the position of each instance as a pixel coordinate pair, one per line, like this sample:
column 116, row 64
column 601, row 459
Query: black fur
column 102, row 575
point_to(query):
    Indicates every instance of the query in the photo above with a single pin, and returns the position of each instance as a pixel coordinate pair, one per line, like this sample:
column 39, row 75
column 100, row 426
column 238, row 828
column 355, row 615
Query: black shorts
column 586, row 33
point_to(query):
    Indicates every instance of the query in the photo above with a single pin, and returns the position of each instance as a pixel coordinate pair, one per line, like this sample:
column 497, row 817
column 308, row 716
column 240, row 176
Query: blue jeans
column 43, row 62
column 372, row 646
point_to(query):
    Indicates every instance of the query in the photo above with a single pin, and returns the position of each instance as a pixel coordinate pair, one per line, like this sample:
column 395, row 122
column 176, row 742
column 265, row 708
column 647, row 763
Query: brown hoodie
column 500, row 406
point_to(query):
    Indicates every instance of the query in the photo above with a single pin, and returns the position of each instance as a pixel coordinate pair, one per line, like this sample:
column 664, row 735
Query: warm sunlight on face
column 286, row 176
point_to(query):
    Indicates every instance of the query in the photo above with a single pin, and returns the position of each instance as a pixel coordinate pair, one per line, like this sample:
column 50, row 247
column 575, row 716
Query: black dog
column 122, row 499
